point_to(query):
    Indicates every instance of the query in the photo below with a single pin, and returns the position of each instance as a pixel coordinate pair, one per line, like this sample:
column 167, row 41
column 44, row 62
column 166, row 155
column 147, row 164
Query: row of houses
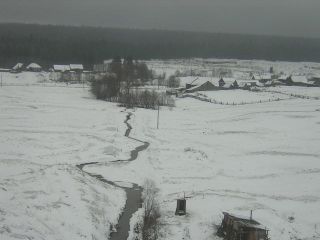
column 208, row 84
column 32, row 67
column 67, row 68
column 292, row 80
column 70, row 73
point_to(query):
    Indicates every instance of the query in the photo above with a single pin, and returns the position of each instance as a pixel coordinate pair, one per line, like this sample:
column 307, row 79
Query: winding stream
column 134, row 193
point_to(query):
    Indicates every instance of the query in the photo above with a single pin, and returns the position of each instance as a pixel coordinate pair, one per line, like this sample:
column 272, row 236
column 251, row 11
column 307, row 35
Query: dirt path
column 133, row 193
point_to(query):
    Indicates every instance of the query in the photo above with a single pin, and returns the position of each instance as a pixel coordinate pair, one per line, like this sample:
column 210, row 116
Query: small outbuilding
column 181, row 207
column 241, row 228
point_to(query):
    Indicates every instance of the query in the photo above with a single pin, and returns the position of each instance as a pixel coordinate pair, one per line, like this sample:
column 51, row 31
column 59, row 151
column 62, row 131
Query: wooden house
column 315, row 80
column 34, row 67
column 61, row 68
column 78, row 68
column 207, row 86
column 235, row 84
column 17, row 68
column 241, row 228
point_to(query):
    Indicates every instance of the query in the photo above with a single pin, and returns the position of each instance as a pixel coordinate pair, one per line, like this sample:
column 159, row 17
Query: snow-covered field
column 45, row 131
column 239, row 96
column 263, row 157
column 300, row 91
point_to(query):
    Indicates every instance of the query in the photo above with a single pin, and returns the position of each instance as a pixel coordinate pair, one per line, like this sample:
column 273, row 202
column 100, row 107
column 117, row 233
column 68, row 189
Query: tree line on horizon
column 48, row 45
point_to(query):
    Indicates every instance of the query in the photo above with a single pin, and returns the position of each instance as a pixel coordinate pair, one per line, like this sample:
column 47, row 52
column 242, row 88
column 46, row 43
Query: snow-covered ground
column 299, row 91
column 262, row 157
column 45, row 130
column 239, row 96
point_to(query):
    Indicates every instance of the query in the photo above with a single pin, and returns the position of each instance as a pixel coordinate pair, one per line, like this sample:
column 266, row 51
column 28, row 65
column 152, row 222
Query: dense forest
column 47, row 45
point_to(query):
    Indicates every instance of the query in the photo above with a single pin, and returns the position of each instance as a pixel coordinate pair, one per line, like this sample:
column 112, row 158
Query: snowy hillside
column 262, row 157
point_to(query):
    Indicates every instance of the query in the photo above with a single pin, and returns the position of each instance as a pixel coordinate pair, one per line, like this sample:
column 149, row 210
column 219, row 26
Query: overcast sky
column 272, row 17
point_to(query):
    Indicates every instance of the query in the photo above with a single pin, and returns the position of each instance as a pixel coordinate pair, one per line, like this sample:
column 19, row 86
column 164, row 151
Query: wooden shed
column 181, row 207
column 241, row 228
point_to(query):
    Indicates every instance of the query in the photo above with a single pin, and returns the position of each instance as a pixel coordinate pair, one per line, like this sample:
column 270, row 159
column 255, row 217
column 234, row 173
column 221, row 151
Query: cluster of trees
column 49, row 45
column 145, row 99
column 121, row 84
column 122, row 75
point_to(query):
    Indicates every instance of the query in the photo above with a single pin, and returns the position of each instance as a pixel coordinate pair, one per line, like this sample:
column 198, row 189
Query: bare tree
column 149, row 228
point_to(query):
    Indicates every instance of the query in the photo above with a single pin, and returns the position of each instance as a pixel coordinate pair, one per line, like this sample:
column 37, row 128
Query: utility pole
column 158, row 115
column 1, row 80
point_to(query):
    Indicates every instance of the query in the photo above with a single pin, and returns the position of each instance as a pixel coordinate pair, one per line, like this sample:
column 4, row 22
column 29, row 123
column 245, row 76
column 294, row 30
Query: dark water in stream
column 134, row 193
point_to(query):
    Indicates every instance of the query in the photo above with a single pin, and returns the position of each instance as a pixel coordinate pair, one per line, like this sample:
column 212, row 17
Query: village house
column 315, row 80
column 17, row 68
column 207, row 86
column 34, row 67
column 241, row 228
column 285, row 79
column 78, row 68
column 295, row 80
column 61, row 68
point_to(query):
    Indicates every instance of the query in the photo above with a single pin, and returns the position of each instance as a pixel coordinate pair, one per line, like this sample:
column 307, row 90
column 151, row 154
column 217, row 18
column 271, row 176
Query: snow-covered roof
column 301, row 79
column 266, row 76
column 283, row 77
column 76, row 66
column 34, row 66
column 61, row 68
column 18, row 66
column 263, row 76
column 245, row 221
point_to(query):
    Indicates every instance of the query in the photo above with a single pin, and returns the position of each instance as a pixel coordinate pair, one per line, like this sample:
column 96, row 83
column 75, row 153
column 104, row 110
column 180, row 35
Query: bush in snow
column 149, row 226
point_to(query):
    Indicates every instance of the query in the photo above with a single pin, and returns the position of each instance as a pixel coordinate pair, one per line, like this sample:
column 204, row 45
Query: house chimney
column 251, row 215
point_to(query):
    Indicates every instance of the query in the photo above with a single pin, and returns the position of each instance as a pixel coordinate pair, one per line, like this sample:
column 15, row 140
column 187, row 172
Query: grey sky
column 276, row 17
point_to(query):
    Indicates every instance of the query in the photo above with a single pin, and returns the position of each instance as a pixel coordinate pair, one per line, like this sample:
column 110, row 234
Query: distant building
column 100, row 68
column 241, row 228
column 207, row 86
column 296, row 80
column 235, row 84
column 61, row 68
column 315, row 80
column 76, row 67
column 34, row 67
column 17, row 68
column 221, row 83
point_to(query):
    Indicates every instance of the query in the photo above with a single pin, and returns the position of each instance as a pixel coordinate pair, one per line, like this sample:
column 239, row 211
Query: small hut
column 241, row 228
column 181, row 207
